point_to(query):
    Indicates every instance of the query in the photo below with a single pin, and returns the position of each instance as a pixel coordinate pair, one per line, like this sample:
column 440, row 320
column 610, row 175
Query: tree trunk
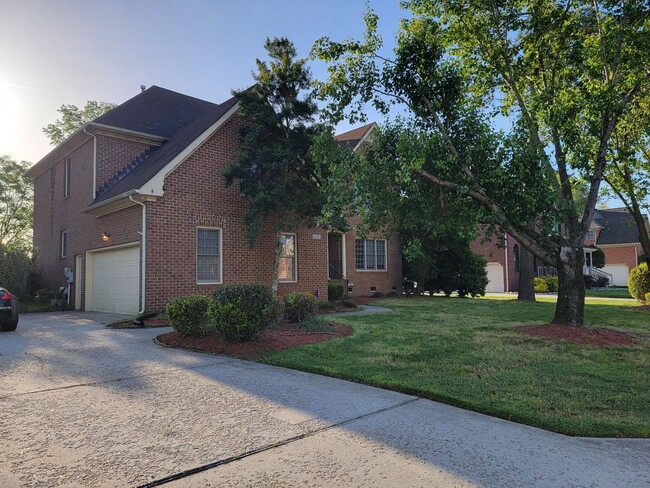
column 644, row 237
column 526, row 291
column 570, row 307
column 276, row 265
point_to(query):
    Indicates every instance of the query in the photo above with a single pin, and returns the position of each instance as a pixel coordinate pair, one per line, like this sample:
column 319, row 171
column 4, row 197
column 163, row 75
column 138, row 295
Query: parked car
column 8, row 310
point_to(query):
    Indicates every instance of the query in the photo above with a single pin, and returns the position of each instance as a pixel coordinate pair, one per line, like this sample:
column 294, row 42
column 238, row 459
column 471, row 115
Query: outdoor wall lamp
column 106, row 237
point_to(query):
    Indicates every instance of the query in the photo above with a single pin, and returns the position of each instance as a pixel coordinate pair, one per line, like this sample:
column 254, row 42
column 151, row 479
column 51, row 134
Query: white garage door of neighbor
column 116, row 280
column 495, row 278
column 619, row 273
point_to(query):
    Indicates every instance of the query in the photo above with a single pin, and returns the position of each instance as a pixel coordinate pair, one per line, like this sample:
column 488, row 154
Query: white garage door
column 495, row 278
column 116, row 281
column 619, row 273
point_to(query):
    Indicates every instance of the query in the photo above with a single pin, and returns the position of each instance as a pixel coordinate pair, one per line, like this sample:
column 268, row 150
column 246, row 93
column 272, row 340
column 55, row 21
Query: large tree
column 274, row 168
column 73, row 117
column 16, row 203
column 566, row 72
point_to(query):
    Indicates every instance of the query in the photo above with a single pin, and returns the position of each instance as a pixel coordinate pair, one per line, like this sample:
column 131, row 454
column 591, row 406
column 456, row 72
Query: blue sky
column 71, row 51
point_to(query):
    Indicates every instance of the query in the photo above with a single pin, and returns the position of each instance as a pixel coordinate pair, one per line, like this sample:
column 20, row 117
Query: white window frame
column 295, row 258
column 67, row 170
column 365, row 252
column 64, row 243
column 196, row 263
column 591, row 234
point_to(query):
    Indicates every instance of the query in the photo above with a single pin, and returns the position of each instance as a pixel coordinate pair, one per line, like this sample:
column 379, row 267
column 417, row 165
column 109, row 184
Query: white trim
column 143, row 256
column 344, row 258
column 365, row 137
column 624, row 244
column 67, row 176
column 196, row 256
column 155, row 185
column 295, row 258
column 365, row 251
column 78, row 264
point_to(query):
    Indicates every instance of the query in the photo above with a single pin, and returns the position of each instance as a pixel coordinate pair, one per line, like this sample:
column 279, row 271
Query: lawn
column 469, row 353
column 622, row 292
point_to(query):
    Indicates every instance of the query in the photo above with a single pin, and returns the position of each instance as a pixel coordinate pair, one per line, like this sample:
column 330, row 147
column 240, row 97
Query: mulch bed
column 271, row 340
column 592, row 336
column 148, row 324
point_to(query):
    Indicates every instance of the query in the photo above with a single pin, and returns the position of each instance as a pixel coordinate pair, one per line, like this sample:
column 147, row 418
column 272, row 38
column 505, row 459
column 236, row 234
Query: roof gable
column 353, row 138
column 618, row 226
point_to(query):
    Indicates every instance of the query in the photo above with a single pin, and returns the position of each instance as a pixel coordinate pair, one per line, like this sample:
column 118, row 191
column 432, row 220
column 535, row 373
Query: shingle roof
column 353, row 137
column 618, row 225
column 156, row 111
column 157, row 160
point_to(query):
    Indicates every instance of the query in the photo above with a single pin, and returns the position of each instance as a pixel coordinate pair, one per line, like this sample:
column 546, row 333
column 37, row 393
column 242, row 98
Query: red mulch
column 592, row 336
column 271, row 340
column 148, row 324
column 362, row 300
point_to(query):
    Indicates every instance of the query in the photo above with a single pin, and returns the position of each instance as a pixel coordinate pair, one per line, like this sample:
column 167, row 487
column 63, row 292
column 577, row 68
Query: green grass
column 468, row 353
column 609, row 293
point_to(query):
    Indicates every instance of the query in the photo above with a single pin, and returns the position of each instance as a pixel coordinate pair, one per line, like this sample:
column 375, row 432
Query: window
column 67, row 166
column 64, row 243
column 590, row 235
column 287, row 267
column 370, row 254
column 515, row 252
column 208, row 256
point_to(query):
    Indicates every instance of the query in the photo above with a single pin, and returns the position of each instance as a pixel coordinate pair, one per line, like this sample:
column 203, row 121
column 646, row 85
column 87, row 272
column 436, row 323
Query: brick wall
column 113, row 153
column 195, row 197
column 491, row 251
column 54, row 213
column 621, row 254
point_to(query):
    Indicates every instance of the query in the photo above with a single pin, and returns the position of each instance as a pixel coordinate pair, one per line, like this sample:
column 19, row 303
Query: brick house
column 133, row 203
column 614, row 231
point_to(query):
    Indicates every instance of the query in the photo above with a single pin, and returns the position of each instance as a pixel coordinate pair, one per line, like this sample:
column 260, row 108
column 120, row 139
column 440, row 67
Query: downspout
column 94, row 161
column 143, row 250
column 506, row 256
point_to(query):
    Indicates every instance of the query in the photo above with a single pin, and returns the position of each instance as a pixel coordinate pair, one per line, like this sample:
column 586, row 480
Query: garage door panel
column 619, row 272
column 116, row 280
column 495, row 278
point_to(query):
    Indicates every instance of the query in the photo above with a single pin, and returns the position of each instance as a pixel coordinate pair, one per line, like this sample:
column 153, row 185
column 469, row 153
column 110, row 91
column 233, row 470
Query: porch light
column 106, row 237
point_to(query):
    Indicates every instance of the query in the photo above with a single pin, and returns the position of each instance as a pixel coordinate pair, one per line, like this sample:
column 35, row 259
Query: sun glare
column 8, row 113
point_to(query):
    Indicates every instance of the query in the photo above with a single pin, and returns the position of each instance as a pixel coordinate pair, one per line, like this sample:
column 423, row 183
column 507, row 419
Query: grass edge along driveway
column 469, row 353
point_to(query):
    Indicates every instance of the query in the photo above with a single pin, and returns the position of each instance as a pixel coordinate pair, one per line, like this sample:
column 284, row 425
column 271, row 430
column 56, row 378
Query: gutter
column 143, row 251
column 94, row 161
column 506, row 258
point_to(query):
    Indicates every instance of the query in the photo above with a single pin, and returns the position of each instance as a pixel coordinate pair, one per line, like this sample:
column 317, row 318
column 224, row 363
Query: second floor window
column 590, row 235
column 67, row 167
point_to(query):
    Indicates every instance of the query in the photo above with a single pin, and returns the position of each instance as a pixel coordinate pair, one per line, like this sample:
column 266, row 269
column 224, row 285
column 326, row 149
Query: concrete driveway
column 82, row 405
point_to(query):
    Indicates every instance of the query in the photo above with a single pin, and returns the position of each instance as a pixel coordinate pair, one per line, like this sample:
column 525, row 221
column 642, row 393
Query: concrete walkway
column 87, row 406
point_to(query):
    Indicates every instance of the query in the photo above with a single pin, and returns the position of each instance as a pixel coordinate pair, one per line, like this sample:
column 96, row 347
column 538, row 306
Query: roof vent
column 143, row 88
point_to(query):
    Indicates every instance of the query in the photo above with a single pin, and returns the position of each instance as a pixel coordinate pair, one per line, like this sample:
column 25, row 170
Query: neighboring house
column 134, row 204
column 612, row 230
column 615, row 232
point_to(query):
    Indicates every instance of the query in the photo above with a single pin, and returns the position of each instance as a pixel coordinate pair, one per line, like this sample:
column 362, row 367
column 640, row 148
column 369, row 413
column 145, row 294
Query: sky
column 56, row 52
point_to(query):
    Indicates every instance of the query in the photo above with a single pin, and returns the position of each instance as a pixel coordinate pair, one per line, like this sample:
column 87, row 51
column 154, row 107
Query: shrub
column 326, row 306
column 552, row 284
column 242, row 312
column 300, row 306
column 639, row 282
column 540, row 285
column 335, row 291
column 255, row 300
column 601, row 281
column 188, row 315
column 233, row 322
column 647, row 297
column 348, row 303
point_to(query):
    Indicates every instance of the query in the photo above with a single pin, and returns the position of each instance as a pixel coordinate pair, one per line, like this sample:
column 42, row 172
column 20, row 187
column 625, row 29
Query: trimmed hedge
column 242, row 312
column 188, row 315
column 335, row 291
column 639, row 282
column 300, row 306
column 540, row 285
